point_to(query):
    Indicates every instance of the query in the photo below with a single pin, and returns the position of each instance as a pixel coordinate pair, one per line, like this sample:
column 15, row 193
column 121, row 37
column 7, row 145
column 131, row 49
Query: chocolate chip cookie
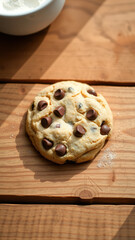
column 69, row 121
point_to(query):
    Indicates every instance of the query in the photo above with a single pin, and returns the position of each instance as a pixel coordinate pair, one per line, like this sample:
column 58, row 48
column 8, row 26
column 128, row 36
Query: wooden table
column 94, row 42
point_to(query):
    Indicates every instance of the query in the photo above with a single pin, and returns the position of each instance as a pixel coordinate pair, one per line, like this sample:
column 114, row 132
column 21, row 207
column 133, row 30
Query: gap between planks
column 51, row 81
column 31, row 199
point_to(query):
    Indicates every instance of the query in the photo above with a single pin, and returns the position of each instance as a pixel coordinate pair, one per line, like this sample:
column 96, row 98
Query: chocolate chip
column 46, row 122
column 103, row 123
column 60, row 149
column 70, row 89
column 59, row 94
column 47, row 144
column 57, row 126
column 105, row 129
column 80, row 105
column 92, row 91
column 91, row 114
column 59, row 111
column 79, row 131
column 42, row 105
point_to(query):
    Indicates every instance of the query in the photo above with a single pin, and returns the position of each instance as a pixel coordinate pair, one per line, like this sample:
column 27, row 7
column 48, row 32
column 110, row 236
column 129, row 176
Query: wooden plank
column 67, row 222
column 90, row 41
column 26, row 177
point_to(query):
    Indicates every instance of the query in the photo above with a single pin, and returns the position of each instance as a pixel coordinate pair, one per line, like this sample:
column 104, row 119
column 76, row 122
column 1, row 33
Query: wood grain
column 90, row 41
column 67, row 222
column 26, row 177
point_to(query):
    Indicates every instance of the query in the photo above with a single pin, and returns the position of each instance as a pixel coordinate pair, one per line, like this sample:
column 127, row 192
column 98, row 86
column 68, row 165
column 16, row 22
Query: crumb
column 11, row 136
column 106, row 159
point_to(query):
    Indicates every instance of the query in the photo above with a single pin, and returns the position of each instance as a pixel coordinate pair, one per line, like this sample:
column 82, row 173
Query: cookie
column 69, row 121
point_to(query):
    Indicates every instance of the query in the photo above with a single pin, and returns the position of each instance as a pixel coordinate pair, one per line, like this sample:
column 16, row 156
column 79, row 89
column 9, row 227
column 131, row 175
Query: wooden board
column 37, row 222
column 90, row 41
column 26, row 177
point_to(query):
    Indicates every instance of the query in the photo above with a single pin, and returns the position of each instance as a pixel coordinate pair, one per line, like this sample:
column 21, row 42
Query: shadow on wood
column 16, row 50
column 127, row 230
column 19, row 56
column 10, row 97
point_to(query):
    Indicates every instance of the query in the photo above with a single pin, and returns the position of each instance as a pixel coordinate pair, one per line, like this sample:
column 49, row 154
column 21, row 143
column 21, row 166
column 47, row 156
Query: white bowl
column 31, row 21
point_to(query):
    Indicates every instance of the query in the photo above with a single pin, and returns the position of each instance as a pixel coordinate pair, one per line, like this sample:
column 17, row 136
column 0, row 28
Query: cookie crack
column 99, row 146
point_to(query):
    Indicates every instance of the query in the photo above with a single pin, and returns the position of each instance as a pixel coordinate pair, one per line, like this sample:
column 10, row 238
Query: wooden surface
column 68, row 222
column 90, row 41
column 26, row 177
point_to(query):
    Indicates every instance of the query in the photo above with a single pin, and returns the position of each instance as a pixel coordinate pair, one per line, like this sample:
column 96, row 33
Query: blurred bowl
column 31, row 21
